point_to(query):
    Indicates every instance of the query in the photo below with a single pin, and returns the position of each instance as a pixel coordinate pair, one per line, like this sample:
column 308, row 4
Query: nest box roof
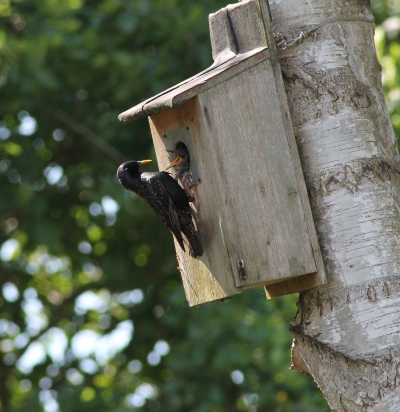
column 182, row 92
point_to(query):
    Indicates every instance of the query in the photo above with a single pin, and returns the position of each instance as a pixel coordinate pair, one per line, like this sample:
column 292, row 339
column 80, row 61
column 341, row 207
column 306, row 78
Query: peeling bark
column 346, row 332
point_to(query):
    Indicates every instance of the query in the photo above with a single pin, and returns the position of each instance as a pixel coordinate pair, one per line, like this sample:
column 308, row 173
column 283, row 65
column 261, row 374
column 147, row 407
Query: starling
column 182, row 165
column 182, row 159
column 168, row 200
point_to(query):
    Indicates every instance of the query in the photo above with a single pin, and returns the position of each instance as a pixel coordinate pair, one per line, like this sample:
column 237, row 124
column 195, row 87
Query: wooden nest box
column 251, row 204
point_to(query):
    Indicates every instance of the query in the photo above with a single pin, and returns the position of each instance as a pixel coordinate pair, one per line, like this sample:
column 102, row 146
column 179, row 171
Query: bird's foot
column 188, row 192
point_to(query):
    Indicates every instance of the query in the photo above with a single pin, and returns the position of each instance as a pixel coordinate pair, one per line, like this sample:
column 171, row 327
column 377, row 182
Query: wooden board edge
column 184, row 91
column 295, row 285
column 194, row 295
column 288, row 280
column 320, row 277
column 221, row 74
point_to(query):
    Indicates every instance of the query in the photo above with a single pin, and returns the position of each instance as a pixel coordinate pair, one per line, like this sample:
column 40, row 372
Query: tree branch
column 88, row 134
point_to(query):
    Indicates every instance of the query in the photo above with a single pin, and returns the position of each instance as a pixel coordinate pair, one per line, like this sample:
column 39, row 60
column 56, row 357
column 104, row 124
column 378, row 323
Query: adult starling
column 181, row 164
column 163, row 193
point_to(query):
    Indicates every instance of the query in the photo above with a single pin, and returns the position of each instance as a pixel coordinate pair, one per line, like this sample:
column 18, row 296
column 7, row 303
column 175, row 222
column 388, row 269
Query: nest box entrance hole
column 182, row 138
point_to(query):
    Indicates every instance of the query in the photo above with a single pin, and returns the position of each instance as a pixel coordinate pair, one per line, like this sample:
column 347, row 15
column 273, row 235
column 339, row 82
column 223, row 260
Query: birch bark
column 346, row 334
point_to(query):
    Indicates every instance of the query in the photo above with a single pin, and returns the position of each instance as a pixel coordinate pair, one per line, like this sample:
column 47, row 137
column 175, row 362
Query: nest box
column 251, row 205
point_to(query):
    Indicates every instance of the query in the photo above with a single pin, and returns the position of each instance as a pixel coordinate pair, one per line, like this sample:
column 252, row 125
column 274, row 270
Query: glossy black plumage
column 168, row 200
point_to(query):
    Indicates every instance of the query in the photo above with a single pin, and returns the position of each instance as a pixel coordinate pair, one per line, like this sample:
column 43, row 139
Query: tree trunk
column 346, row 334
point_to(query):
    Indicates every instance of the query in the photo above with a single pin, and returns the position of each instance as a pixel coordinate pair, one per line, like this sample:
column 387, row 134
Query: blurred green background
column 93, row 315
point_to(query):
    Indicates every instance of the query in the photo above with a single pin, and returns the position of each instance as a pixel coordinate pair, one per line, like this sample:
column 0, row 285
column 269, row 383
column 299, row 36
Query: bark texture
column 347, row 332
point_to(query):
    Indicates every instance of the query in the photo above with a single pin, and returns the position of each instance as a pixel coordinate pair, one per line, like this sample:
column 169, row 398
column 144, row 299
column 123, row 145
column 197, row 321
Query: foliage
column 93, row 315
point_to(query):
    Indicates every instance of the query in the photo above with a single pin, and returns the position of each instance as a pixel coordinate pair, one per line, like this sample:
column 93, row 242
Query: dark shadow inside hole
column 181, row 150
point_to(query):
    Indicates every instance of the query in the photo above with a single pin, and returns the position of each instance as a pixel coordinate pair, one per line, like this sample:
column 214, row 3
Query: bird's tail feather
column 196, row 248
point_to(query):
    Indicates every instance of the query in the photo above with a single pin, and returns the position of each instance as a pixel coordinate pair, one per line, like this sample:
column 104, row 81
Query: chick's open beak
column 175, row 162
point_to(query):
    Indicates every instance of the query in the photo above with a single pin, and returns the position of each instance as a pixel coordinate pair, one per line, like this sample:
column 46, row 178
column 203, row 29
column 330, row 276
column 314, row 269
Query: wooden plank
column 236, row 29
column 223, row 43
column 319, row 278
column 186, row 90
column 293, row 285
column 252, row 203
column 252, row 167
column 209, row 278
column 246, row 25
column 184, row 135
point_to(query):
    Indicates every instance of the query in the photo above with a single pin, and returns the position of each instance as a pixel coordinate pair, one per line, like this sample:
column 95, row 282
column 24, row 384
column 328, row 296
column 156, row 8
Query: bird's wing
column 173, row 224
column 171, row 202
column 176, row 193
column 163, row 205
column 181, row 205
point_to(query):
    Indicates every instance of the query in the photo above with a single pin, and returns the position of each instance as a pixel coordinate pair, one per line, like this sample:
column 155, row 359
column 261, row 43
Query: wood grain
column 209, row 278
column 248, row 156
column 251, row 199
column 184, row 91
column 319, row 278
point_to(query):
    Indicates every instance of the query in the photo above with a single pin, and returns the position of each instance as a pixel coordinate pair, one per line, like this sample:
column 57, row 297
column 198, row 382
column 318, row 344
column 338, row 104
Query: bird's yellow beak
column 176, row 161
column 144, row 162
